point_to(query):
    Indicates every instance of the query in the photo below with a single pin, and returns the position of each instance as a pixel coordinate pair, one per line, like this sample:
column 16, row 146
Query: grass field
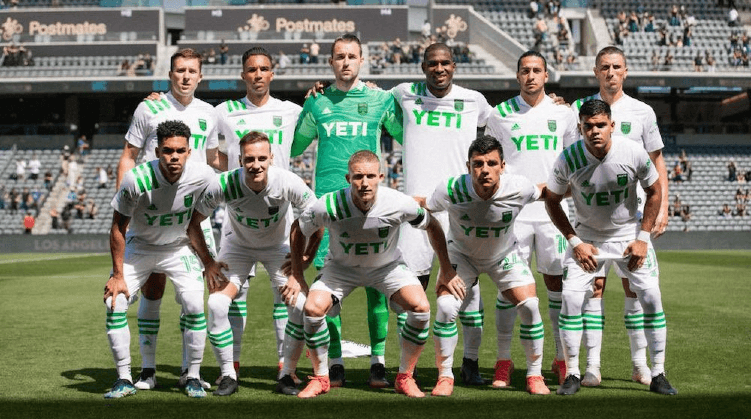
column 56, row 361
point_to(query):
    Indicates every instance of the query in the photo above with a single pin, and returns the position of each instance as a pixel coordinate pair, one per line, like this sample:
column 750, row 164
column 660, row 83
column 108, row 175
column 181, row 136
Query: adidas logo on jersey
column 585, row 184
column 345, row 235
column 418, row 101
column 326, row 111
column 465, row 217
column 241, row 122
column 151, row 207
column 515, row 127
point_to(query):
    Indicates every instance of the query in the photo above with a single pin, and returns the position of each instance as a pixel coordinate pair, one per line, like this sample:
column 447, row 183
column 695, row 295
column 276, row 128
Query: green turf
column 56, row 361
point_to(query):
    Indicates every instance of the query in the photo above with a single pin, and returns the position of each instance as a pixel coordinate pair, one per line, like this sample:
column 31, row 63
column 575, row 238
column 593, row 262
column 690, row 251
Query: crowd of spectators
column 16, row 55
column 735, row 174
column 143, row 65
column 682, row 169
column 398, row 52
column 552, row 28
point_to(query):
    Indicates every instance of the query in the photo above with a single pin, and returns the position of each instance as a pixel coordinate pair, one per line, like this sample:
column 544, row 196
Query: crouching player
column 482, row 206
column 363, row 222
column 156, row 199
column 258, row 197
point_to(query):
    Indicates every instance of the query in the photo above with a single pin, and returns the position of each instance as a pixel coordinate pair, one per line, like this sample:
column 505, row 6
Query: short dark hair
column 594, row 107
column 531, row 53
column 437, row 46
column 257, row 51
column 186, row 53
column 363, row 156
column 484, row 144
column 347, row 37
column 169, row 129
column 252, row 138
column 608, row 51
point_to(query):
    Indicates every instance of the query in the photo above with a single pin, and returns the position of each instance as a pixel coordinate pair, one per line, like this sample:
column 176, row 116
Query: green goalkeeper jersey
column 344, row 123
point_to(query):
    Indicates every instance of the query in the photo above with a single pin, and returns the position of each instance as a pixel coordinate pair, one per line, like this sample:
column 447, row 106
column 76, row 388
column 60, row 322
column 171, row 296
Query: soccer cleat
column 286, row 385
column 317, row 385
column 227, row 386
column 536, row 385
column 470, row 373
column 559, row 369
column 661, row 385
column 502, row 376
column 183, row 381
column 377, row 377
column 336, row 375
column 194, row 389
column 592, row 378
column 406, row 385
column 121, row 388
column 146, row 380
column 444, row 387
column 570, row 386
column 279, row 367
column 641, row 374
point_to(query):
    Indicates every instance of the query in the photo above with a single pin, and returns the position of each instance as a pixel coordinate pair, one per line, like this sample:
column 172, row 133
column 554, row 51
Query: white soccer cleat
column 642, row 375
column 592, row 378
column 147, row 379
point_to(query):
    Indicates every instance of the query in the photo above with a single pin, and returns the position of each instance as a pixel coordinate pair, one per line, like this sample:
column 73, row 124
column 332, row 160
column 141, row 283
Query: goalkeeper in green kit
column 346, row 118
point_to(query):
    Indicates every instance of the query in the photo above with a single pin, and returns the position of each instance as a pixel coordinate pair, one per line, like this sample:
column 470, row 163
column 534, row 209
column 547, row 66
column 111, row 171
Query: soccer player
column 156, row 200
column 603, row 172
column 364, row 220
column 637, row 121
column 533, row 131
column 177, row 104
column 346, row 118
column 440, row 121
column 258, row 197
column 257, row 111
column 482, row 207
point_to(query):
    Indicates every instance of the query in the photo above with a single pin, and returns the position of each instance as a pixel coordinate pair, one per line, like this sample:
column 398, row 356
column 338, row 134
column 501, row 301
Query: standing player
column 482, row 207
column 637, row 121
column 603, row 174
column 177, row 104
column 257, row 111
column 533, row 130
column 347, row 118
column 440, row 121
column 258, row 198
column 156, row 200
column 365, row 221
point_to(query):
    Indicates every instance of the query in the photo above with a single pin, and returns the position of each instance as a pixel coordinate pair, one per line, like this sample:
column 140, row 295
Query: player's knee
column 192, row 302
column 421, row 306
column 447, row 308
column 314, row 307
column 529, row 306
column 121, row 304
column 153, row 289
column 218, row 304
column 651, row 300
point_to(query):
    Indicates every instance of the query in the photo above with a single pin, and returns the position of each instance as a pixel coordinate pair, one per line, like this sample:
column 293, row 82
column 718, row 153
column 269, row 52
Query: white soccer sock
column 554, row 310
column 472, row 317
column 238, row 316
column 195, row 330
column 414, row 335
column 655, row 327
column 594, row 322
column 148, row 329
column 220, row 332
column 183, row 320
column 571, row 325
column 445, row 334
column 505, row 316
column 317, row 338
column 118, row 335
column 294, row 337
column 633, row 317
column 532, row 334
column 280, row 322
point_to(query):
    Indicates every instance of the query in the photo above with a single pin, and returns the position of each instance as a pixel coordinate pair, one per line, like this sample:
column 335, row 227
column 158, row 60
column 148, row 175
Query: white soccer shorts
column 415, row 246
column 547, row 242
column 646, row 277
column 241, row 261
column 181, row 266
column 508, row 273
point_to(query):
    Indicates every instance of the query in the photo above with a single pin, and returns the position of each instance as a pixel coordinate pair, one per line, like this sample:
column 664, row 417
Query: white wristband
column 574, row 241
column 644, row 236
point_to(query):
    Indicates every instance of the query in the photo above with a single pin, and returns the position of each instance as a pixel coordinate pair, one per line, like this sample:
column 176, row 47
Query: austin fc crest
column 507, row 215
column 188, row 200
column 383, row 232
column 625, row 127
column 202, row 124
column 362, row 108
column 277, row 121
column 622, row 179
column 458, row 105
column 552, row 125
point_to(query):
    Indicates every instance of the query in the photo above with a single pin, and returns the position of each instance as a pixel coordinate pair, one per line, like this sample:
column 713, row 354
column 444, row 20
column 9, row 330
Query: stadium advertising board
column 244, row 23
column 27, row 26
column 455, row 22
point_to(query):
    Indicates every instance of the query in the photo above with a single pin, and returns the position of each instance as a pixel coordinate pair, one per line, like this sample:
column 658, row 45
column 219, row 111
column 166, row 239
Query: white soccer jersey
column 604, row 191
column 360, row 239
column 160, row 211
column 482, row 229
column 257, row 220
column 277, row 119
column 633, row 119
column 532, row 138
column 199, row 116
column 437, row 133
